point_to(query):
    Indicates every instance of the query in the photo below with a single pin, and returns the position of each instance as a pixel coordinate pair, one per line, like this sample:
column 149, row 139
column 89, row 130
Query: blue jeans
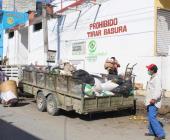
column 154, row 125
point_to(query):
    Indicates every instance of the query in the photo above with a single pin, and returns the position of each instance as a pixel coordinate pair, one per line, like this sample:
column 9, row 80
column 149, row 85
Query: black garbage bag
column 88, row 79
column 84, row 76
column 118, row 79
column 111, row 76
column 125, row 88
column 79, row 74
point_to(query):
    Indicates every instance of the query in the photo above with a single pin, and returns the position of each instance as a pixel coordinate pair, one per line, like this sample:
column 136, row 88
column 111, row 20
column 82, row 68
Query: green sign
column 93, row 52
column 92, row 46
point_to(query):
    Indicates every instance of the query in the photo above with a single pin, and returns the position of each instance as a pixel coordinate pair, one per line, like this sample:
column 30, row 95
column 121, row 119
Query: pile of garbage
column 98, row 86
column 64, row 68
column 93, row 85
column 8, row 93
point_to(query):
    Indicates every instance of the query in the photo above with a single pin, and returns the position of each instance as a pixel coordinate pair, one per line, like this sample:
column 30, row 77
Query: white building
column 134, row 31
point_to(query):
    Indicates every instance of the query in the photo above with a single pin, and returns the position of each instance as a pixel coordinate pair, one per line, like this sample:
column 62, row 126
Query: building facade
column 132, row 31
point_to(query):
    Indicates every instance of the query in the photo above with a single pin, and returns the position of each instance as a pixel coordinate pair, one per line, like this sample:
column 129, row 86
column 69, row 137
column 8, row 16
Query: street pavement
column 25, row 122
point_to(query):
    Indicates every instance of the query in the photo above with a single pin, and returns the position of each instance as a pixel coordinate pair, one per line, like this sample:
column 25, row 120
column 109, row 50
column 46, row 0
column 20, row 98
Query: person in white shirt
column 153, row 103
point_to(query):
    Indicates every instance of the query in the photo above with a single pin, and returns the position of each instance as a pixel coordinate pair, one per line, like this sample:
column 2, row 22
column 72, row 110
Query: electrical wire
column 87, row 20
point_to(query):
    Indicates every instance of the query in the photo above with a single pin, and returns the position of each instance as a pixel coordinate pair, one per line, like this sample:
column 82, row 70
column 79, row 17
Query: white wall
column 36, row 44
column 52, row 34
column 10, row 48
column 134, row 46
column 22, row 48
column 36, row 54
column 165, row 72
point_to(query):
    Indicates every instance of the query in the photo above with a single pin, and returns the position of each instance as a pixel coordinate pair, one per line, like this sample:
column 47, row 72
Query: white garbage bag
column 6, row 96
column 97, row 85
column 109, row 85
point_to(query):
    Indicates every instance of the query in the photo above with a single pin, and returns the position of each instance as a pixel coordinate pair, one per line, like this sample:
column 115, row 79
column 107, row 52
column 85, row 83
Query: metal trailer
column 54, row 92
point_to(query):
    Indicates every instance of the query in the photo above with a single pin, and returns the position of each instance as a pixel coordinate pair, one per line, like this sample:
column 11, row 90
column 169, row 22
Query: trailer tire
column 41, row 102
column 52, row 107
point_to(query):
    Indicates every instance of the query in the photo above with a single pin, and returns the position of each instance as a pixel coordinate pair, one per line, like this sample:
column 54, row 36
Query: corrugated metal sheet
column 19, row 5
column 163, row 32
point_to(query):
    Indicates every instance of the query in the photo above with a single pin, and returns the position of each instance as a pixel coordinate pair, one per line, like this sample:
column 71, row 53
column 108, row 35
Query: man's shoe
column 149, row 134
column 159, row 138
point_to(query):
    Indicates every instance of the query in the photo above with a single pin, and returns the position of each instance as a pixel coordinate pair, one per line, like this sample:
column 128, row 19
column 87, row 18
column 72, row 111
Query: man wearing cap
column 153, row 103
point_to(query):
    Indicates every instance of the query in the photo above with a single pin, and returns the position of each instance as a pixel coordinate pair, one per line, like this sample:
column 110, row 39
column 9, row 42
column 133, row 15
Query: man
column 111, row 65
column 153, row 102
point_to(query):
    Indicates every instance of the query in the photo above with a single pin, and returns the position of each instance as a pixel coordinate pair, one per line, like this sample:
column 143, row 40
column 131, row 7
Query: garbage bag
column 7, row 96
column 79, row 74
column 107, row 93
column 109, row 85
column 124, row 88
column 116, row 79
column 84, row 76
column 88, row 90
column 97, row 85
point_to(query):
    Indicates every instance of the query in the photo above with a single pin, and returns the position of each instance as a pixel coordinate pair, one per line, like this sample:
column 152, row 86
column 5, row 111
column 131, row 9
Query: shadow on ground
column 96, row 116
column 21, row 102
column 24, row 101
column 11, row 132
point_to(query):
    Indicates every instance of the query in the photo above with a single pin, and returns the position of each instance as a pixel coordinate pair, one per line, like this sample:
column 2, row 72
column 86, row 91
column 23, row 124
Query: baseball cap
column 151, row 67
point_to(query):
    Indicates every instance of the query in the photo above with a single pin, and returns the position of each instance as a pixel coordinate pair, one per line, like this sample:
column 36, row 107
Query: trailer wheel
column 52, row 107
column 41, row 102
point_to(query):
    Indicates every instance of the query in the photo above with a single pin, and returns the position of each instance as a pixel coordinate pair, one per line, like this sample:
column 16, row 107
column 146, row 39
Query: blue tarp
column 11, row 19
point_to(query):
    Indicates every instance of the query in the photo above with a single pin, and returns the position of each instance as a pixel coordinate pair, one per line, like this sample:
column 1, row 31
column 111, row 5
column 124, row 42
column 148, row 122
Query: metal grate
column 13, row 72
column 163, row 32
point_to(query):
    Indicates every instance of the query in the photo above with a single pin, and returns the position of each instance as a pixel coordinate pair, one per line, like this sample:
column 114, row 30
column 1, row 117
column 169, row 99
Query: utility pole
column 45, row 32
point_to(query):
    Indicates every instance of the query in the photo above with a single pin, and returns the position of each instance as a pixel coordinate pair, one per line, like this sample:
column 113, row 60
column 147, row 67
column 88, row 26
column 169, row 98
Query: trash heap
column 64, row 68
column 98, row 86
column 93, row 85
